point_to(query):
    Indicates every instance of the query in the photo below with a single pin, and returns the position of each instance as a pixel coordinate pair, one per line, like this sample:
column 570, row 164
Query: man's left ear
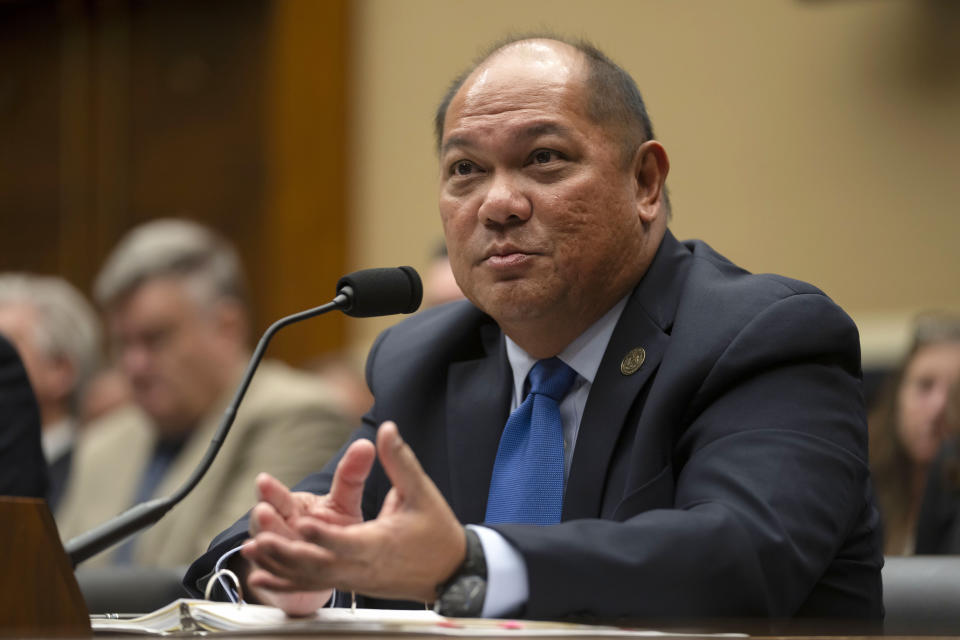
column 650, row 167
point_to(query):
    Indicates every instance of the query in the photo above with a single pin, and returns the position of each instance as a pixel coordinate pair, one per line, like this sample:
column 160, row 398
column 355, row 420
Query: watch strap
column 463, row 594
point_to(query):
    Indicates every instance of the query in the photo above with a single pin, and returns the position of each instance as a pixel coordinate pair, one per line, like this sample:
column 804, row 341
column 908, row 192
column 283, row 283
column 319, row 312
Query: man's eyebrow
column 533, row 131
column 454, row 141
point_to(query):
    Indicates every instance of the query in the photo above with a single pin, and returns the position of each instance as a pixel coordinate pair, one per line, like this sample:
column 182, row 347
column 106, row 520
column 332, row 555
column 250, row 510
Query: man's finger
column 264, row 517
column 262, row 579
column 400, row 463
column 343, row 542
column 347, row 489
column 284, row 557
column 391, row 503
column 271, row 490
column 295, row 603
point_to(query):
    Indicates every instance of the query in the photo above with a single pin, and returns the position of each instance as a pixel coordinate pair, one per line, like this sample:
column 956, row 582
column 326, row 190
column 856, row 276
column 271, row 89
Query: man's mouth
column 510, row 259
column 507, row 255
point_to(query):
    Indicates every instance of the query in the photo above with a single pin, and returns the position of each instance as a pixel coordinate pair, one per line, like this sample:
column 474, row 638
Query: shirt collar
column 583, row 355
column 56, row 439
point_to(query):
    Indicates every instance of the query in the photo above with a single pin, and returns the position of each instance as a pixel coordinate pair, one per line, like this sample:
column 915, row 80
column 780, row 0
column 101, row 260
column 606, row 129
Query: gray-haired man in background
column 176, row 314
column 57, row 335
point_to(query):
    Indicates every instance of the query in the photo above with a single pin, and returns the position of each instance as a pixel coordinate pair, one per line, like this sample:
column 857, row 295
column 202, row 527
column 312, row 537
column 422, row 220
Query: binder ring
column 224, row 572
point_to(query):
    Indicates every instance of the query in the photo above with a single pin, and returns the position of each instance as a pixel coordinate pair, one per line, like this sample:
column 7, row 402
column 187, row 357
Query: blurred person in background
column 176, row 314
column 345, row 374
column 57, row 334
column 23, row 471
column 439, row 285
column 107, row 390
column 938, row 528
column 345, row 378
column 909, row 424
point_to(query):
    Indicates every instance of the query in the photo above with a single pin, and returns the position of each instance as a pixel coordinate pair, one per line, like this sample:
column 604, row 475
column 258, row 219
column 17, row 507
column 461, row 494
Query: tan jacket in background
column 287, row 425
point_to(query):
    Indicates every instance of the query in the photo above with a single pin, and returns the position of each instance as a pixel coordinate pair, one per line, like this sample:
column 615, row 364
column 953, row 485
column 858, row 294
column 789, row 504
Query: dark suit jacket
column 23, row 471
column 727, row 477
column 59, row 474
column 938, row 526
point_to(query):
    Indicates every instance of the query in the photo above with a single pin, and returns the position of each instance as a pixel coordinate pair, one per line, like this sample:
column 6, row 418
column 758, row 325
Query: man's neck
column 583, row 355
column 549, row 336
column 53, row 413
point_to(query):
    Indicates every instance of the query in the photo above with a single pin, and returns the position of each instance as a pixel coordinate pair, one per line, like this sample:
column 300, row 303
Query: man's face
column 539, row 210
column 51, row 378
column 169, row 348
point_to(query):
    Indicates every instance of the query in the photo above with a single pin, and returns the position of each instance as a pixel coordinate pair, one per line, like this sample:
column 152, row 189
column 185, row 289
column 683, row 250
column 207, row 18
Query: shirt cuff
column 507, row 588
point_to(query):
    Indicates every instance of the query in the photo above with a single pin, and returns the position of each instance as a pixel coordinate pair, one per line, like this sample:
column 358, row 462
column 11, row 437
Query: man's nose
column 504, row 202
column 134, row 359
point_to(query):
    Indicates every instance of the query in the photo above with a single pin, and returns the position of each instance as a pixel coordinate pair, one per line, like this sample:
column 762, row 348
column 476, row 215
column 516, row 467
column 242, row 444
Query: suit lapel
column 611, row 396
column 645, row 323
column 478, row 402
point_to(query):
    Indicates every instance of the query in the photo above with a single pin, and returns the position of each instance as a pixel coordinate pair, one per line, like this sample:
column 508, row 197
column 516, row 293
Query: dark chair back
column 129, row 589
column 922, row 595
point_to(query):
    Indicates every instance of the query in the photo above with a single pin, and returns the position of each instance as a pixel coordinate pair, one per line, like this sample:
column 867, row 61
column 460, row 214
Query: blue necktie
column 527, row 482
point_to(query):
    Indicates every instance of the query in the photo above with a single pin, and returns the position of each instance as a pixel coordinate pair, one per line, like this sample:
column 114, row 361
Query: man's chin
column 168, row 423
column 519, row 306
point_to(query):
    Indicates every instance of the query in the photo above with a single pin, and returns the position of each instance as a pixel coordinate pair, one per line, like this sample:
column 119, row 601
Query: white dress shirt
column 57, row 439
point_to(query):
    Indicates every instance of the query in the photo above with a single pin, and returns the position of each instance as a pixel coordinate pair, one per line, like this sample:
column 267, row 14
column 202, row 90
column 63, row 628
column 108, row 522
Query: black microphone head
column 382, row 292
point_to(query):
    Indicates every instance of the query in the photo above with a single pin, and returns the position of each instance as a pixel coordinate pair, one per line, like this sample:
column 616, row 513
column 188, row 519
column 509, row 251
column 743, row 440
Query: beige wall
column 817, row 139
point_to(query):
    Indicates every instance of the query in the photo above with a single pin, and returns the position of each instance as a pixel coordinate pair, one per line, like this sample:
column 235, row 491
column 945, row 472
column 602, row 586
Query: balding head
column 613, row 99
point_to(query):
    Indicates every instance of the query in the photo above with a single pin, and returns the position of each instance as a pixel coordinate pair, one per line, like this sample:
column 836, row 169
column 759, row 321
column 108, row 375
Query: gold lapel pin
column 632, row 361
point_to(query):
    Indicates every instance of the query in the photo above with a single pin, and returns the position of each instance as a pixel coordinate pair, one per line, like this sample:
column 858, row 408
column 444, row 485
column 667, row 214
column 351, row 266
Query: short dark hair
column 613, row 96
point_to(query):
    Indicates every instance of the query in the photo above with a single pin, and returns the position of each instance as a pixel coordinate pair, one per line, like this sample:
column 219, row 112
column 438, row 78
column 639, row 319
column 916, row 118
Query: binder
column 203, row 617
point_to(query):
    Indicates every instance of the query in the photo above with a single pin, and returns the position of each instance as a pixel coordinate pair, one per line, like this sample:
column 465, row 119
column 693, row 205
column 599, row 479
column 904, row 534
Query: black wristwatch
column 463, row 594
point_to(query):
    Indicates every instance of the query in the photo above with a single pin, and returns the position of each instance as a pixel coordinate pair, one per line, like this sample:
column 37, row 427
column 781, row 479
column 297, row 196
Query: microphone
column 362, row 294
column 382, row 292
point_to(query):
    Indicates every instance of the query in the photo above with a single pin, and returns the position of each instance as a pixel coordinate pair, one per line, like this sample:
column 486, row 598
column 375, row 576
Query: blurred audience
column 23, row 471
column 57, row 335
column 439, row 284
column 909, row 424
column 938, row 529
column 176, row 314
column 107, row 390
column 345, row 377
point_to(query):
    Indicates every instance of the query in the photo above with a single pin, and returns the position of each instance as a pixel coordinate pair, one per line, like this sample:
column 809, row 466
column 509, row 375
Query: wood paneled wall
column 229, row 112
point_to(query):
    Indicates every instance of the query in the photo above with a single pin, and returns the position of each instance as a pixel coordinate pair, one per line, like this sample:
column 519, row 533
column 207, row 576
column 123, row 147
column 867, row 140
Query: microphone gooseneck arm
column 147, row 513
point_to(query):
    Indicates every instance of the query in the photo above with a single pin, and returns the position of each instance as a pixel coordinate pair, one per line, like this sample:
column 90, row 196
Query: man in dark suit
column 23, row 471
column 713, row 454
